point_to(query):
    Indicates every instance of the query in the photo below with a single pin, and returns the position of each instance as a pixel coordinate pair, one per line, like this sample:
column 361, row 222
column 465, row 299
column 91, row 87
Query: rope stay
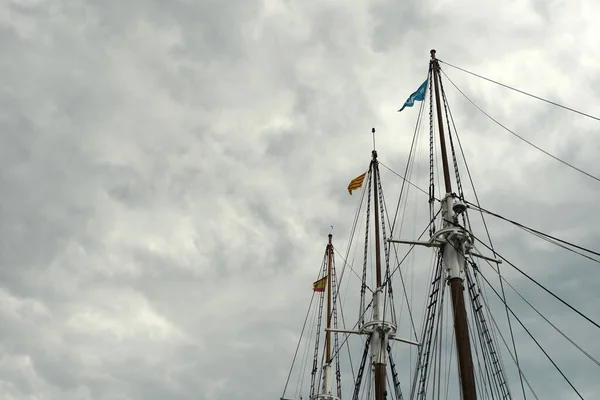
column 523, row 92
column 581, row 171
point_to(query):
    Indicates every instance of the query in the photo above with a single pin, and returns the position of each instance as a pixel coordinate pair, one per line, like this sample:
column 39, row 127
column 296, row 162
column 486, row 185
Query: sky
column 171, row 170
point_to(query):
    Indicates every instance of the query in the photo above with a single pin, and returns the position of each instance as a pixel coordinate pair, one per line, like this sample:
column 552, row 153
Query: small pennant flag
column 356, row 183
column 418, row 95
column 319, row 286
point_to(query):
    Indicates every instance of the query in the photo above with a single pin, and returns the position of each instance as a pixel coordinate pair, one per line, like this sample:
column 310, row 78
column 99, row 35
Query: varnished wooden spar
column 463, row 343
column 379, row 367
column 327, row 387
column 329, row 317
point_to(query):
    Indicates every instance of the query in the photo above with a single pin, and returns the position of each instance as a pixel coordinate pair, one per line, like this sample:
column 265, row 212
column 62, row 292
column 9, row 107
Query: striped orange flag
column 356, row 183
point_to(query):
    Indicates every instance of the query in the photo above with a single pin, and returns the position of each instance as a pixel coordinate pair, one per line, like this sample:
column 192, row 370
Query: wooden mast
column 380, row 381
column 327, row 388
column 329, row 277
column 452, row 262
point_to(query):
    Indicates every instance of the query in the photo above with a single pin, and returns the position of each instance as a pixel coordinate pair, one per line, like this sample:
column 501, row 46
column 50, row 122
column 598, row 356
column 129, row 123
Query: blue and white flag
column 418, row 95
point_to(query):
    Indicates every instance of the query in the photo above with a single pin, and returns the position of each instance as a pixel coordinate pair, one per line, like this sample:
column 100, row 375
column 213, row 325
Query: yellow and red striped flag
column 356, row 183
column 319, row 286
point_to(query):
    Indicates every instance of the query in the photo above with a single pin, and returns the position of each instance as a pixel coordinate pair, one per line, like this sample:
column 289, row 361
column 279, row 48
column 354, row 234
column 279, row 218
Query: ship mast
column 453, row 257
column 378, row 330
column 328, row 332
column 378, row 336
column 326, row 392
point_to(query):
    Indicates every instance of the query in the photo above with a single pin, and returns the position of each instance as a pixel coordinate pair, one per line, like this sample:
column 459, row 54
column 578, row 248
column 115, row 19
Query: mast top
column 432, row 54
column 374, row 152
column 373, row 132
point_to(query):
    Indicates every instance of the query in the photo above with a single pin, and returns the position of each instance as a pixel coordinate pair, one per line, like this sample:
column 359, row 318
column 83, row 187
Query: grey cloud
column 170, row 173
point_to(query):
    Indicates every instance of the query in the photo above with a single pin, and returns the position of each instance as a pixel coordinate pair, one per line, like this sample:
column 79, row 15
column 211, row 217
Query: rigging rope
column 465, row 218
column 449, row 112
column 552, row 325
column 520, row 137
column 540, row 234
column 354, row 327
column 314, row 383
column 531, row 336
column 522, row 92
column 350, row 266
column 352, row 233
column 298, row 346
column 389, row 276
column 337, row 303
column 404, row 178
column 490, row 341
column 541, row 286
column 491, row 316
column 482, row 383
column 412, row 246
column 410, row 155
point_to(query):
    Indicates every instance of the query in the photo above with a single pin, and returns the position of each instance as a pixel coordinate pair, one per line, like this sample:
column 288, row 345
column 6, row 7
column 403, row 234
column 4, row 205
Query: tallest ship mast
column 453, row 254
column 454, row 243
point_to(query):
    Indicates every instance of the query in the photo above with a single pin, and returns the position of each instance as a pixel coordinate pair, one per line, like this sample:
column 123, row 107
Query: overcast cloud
column 170, row 171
